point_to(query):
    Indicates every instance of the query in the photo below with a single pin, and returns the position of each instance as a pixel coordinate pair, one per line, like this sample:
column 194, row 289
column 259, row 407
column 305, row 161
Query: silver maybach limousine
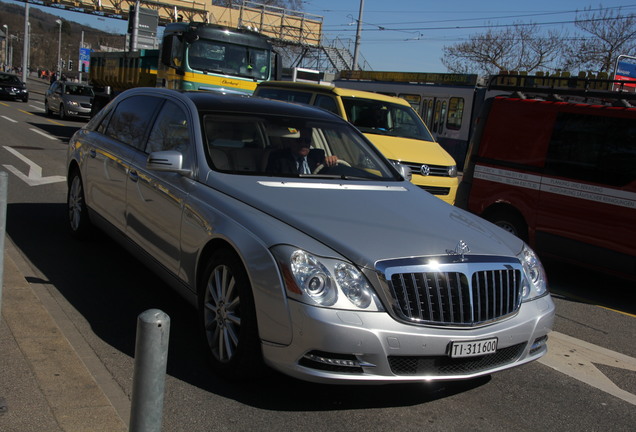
column 338, row 272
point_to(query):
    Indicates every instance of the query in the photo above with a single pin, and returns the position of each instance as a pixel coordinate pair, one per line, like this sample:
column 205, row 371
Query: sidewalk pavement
column 44, row 383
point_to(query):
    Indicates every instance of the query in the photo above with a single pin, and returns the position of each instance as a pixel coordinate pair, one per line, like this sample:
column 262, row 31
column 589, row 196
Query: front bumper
column 336, row 346
column 13, row 93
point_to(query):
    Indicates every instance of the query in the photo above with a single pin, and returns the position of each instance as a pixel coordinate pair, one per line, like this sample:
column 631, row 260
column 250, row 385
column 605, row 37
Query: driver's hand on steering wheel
column 331, row 160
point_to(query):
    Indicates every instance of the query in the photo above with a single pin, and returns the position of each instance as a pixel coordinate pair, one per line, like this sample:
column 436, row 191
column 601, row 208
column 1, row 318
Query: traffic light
column 70, row 65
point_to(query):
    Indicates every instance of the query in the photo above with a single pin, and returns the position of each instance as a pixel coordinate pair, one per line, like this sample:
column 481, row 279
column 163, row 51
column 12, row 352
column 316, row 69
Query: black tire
column 228, row 318
column 79, row 223
column 47, row 109
column 25, row 98
column 510, row 221
column 62, row 113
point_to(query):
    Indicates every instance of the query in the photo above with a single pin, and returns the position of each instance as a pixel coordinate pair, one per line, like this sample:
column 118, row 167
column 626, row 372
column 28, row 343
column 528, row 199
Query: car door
column 117, row 141
column 52, row 97
column 156, row 200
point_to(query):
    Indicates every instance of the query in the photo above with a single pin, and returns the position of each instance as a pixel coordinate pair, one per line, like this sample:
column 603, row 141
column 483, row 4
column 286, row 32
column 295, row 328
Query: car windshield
column 385, row 118
column 9, row 79
column 77, row 90
column 271, row 145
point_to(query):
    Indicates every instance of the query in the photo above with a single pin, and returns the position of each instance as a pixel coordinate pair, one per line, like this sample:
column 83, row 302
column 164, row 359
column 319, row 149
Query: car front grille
column 433, row 170
column 444, row 365
column 459, row 294
column 435, row 190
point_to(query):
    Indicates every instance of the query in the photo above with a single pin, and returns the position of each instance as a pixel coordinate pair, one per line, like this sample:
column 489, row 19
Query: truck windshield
column 385, row 118
column 229, row 59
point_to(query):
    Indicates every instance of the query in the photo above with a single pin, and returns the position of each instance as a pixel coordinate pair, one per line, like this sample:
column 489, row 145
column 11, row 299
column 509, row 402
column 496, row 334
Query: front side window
column 385, row 118
column 129, row 123
column 171, row 131
column 282, row 146
column 326, row 102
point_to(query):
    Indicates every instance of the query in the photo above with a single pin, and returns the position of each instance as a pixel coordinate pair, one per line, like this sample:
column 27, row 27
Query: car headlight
column 325, row 282
column 534, row 283
column 73, row 104
column 452, row 171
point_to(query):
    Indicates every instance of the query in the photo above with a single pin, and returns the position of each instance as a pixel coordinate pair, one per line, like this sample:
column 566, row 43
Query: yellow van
column 388, row 122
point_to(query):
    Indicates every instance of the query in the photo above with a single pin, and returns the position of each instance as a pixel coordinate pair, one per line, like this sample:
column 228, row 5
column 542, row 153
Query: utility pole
column 358, row 36
column 25, row 47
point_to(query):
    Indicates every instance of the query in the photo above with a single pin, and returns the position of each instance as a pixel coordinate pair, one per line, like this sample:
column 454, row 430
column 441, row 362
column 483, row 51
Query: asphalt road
column 586, row 383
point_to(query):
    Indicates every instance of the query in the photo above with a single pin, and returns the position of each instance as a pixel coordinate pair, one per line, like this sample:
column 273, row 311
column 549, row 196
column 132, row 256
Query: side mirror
column 166, row 161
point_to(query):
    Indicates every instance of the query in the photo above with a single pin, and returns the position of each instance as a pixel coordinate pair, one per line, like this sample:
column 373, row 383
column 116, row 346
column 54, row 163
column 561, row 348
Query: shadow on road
column 110, row 288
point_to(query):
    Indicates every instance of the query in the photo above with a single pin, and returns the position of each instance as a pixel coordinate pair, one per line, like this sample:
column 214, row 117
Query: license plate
column 473, row 348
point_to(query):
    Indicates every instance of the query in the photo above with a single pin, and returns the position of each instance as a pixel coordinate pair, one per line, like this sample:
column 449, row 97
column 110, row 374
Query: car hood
column 411, row 150
column 367, row 222
column 12, row 85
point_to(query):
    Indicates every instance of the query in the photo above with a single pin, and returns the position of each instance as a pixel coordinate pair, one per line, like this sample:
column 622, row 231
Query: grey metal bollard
column 4, row 182
column 149, row 376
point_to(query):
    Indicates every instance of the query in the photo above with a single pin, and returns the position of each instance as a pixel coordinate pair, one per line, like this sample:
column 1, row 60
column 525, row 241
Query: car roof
column 233, row 103
column 332, row 89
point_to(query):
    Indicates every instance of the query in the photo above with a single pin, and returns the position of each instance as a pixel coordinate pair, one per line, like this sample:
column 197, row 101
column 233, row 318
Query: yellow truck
column 390, row 123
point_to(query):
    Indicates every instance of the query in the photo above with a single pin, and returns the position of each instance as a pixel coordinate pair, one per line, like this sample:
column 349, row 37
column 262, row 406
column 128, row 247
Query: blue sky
column 408, row 35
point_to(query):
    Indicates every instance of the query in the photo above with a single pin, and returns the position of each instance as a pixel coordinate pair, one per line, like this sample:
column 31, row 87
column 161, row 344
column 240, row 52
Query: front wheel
column 510, row 221
column 228, row 317
column 62, row 112
column 78, row 222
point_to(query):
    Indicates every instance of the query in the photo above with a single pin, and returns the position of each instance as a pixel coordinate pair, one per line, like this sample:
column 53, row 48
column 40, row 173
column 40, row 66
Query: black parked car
column 12, row 87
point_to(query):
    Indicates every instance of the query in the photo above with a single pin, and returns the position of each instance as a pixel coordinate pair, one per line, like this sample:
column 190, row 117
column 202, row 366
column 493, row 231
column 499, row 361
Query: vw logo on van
column 425, row 170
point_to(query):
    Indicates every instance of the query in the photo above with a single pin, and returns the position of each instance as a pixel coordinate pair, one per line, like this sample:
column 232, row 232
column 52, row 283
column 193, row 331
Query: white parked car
column 340, row 270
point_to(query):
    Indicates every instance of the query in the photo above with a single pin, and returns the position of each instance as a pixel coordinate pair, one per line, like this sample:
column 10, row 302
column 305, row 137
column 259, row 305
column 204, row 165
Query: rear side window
column 130, row 122
column 597, row 149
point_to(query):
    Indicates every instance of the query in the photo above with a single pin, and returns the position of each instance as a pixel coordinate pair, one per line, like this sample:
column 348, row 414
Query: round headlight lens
column 313, row 278
column 353, row 285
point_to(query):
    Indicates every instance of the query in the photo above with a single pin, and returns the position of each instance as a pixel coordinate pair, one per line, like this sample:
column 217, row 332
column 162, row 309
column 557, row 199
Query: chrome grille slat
column 455, row 297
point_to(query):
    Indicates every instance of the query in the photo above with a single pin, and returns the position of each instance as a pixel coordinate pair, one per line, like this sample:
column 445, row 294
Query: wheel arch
column 270, row 301
column 500, row 209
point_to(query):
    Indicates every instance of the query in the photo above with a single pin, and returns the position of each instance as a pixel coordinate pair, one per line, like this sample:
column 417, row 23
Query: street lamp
column 59, row 46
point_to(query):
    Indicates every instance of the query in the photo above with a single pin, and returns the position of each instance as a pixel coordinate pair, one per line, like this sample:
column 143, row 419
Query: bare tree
column 519, row 47
column 612, row 34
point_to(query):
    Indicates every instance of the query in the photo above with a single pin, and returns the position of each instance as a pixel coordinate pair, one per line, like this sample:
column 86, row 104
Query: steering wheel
column 321, row 166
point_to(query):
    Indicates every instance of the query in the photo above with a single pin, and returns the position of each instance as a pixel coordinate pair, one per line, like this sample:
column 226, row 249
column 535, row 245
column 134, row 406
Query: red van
column 559, row 172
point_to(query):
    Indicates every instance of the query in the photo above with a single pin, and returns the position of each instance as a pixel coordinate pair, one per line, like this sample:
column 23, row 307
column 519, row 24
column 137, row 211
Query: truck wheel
column 510, row 221
column 228, row 317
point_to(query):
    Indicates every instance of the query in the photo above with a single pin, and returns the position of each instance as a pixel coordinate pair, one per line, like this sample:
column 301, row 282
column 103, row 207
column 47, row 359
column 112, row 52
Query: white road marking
column 577, row 359
column 44, row 134
column 34, row 177
column 10, row 119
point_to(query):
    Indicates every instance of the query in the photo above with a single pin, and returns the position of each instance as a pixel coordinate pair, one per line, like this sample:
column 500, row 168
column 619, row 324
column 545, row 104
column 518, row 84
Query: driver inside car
column 299, row 158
